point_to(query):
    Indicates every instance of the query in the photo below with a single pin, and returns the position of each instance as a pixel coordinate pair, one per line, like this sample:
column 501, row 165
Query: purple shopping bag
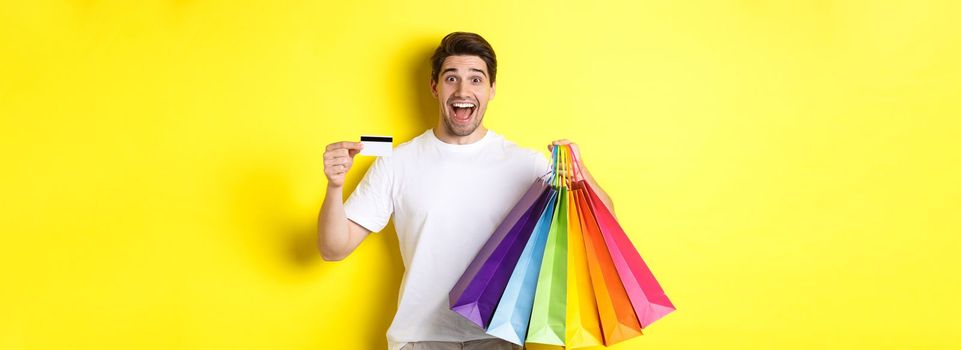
column 476, row 294
column 513, row 313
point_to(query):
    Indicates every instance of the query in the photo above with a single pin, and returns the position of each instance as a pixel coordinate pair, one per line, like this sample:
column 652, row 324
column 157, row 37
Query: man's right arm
column 337, row 236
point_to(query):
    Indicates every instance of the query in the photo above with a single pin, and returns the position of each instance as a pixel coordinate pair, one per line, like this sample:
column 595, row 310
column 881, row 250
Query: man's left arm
column 587, row 174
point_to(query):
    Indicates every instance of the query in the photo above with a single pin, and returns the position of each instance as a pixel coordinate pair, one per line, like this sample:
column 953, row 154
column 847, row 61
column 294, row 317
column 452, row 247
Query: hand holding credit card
column 377, row 146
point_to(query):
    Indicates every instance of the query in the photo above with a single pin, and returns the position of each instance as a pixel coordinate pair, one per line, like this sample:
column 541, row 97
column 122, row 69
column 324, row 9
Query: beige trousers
column 483, row 344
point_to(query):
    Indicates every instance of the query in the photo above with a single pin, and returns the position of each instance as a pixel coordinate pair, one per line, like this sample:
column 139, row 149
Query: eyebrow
column 455, row 69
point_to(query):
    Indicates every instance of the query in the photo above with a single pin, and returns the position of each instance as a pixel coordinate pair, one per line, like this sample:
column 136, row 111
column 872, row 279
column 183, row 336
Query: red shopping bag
column 647, row 298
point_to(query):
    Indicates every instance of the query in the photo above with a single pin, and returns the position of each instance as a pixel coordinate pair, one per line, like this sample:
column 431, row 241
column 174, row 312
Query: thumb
column 354, row 149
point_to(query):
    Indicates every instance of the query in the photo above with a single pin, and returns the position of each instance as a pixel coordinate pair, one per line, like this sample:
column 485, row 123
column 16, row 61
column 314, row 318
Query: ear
column 433, row 88
column 493, row 91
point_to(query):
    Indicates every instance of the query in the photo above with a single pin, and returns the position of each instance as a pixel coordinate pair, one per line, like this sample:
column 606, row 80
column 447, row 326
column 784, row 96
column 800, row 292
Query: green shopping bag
column 548, row 317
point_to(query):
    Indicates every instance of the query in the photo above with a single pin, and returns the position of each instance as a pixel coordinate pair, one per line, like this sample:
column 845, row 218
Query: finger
column 330, row 154
column 345, row 144
column 577, row 152
column 336, row 164
column 550, row 147
column 336, row 160
column 331, row 160
column 567, row 142
column 353, row 145
column 346, row 164
column 353, row 152
column 340, row 152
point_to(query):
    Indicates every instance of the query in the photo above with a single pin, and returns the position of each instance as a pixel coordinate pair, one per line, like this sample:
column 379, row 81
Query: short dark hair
column 465, row 44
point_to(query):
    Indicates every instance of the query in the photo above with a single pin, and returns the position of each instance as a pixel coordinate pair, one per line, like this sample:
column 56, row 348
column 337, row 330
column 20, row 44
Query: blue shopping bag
column 513, row 313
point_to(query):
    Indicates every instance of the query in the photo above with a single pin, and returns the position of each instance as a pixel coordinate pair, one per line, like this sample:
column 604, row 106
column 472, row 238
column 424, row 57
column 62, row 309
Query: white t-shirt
column 446, row 200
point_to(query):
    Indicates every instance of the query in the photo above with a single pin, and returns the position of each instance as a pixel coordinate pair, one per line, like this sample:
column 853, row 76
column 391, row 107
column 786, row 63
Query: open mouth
column 462, row 111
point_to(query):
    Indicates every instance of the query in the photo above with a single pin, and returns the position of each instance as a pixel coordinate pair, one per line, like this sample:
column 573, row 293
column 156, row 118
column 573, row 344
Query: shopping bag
column 583, row 324
column 647, row 298
column 513, row 312
column 560, row 270
column 618, row 319
column 550, row 297
column 476, row 294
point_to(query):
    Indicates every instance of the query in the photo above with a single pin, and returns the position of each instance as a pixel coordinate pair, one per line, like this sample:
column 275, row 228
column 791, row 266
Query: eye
column 477, row 80
column 451, row 78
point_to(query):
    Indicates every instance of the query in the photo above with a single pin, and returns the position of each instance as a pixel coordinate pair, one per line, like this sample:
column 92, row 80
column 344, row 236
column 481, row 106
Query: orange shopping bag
column 618, row 320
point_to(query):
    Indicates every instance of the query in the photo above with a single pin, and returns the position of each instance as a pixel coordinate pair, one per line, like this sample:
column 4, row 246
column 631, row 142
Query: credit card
column 377, row 146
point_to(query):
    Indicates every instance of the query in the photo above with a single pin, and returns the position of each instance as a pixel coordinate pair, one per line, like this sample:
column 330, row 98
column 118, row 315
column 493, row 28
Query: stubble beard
column 465, row 130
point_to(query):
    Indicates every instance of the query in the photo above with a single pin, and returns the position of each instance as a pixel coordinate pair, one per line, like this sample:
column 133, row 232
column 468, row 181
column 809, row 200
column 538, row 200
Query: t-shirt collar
column 489, row 135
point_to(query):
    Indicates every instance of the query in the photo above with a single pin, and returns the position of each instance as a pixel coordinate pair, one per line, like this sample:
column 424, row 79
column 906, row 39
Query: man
column 447, row 190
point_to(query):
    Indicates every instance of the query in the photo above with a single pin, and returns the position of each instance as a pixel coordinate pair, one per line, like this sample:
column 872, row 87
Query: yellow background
column 788, row 169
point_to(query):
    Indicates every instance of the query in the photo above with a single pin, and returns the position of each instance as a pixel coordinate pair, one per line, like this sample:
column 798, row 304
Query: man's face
column 462, row 90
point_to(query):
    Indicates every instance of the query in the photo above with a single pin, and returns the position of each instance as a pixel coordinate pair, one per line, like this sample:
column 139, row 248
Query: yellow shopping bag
column 583, row 323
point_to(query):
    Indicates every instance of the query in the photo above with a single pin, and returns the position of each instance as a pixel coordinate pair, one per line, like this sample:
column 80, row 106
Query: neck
column 444, row 135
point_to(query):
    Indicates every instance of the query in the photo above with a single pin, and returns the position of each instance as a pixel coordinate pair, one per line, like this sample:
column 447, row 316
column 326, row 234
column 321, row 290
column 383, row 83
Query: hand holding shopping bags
column 560, row 270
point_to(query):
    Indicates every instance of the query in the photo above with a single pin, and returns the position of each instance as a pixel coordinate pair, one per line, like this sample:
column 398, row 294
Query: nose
column 461, row 90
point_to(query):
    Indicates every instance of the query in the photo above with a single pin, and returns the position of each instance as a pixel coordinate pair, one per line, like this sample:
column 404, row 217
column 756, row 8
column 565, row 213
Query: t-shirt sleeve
column 372, row 203
column 541, row 165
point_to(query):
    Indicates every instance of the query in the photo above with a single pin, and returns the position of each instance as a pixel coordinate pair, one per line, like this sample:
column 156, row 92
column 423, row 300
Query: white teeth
column 463, row 105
